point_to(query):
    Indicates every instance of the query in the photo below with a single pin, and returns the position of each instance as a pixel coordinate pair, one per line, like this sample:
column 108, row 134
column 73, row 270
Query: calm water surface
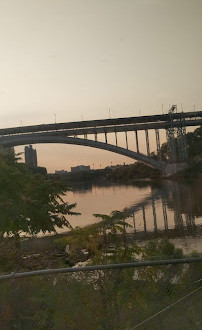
column 166, row 206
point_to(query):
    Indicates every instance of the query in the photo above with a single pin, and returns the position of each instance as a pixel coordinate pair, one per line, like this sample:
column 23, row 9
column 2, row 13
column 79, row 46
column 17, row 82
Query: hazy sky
column 79, row 58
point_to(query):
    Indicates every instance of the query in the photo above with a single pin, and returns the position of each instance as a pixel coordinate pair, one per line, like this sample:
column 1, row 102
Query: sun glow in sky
column 75, row 59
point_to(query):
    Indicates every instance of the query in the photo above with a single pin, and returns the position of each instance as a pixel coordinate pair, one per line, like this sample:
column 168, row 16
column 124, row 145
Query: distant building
column 80, row 168
column 61, row 172
column 30, row 156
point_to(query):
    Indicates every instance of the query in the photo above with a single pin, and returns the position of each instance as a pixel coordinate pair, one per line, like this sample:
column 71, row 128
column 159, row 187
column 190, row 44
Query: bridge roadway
column 111, row 125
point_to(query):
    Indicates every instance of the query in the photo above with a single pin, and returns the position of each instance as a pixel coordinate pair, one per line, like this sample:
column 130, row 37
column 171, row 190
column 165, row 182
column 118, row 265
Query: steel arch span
column 18, row 140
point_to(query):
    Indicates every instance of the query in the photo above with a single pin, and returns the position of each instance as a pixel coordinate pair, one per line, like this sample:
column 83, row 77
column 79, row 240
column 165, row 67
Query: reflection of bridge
column 68, row 133
column 169, row 196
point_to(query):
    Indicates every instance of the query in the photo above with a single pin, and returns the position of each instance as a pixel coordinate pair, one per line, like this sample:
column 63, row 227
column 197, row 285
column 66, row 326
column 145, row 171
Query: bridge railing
column 161, row 294
column 110, row 123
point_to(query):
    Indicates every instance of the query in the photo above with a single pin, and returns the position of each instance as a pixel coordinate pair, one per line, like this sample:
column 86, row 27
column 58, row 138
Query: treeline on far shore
column 136, row 171
column 122, row 172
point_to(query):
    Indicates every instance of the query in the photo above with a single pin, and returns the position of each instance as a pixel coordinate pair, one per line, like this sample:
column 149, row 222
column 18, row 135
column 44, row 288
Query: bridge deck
column 111, row 125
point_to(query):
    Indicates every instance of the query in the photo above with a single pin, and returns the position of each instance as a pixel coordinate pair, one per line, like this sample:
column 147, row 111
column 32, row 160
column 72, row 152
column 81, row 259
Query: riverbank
column 43, row 252
column 187, row 241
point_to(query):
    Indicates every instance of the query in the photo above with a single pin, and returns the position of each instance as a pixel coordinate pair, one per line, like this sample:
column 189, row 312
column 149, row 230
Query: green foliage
column 133, row 171
column 8, row 254
column 112, row 225
column 194, row 168
column 29, row 202
column 61, row 243
column 162, row 249
column 81, row 176
column 107, row 299
column 99, row 239
column 194, row 144
column 80, row 238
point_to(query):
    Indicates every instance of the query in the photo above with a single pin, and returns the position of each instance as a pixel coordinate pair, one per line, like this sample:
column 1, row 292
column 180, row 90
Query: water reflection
column 168, row 207
column 181, row 209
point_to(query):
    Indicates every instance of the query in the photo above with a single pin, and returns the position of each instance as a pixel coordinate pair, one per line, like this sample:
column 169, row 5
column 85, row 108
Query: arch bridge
column 76, row 133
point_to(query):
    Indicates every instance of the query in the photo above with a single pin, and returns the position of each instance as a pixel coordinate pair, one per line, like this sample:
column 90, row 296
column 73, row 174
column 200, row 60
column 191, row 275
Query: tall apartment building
column 30, row 156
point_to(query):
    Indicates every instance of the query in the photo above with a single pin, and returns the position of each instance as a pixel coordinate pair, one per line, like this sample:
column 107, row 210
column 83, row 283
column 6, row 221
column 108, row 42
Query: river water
column 170, row 208
column 164, row 209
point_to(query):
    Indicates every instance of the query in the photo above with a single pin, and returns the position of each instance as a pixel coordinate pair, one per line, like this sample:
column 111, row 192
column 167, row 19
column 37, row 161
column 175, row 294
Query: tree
column 194, row 144
column 80, row 238
column 114, row 224
column 30, row 202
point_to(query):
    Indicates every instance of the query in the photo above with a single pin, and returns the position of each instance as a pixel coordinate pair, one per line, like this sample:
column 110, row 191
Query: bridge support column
column 137, row 143
column 126, row 139
column 147, row 142
column 105, row 137
column 144, row 220
column 165, row 217
column 158, row 144
column 189, row 217
column 95, row 136
column 179, row 224
column 182, row 143
column 134, row 224
column 172, row 155
column 154, row 215
column 85, row 136
column 190, row 222
column 116, row 138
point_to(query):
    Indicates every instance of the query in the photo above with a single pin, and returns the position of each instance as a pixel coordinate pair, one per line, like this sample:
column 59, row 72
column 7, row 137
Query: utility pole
column 109, row 113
